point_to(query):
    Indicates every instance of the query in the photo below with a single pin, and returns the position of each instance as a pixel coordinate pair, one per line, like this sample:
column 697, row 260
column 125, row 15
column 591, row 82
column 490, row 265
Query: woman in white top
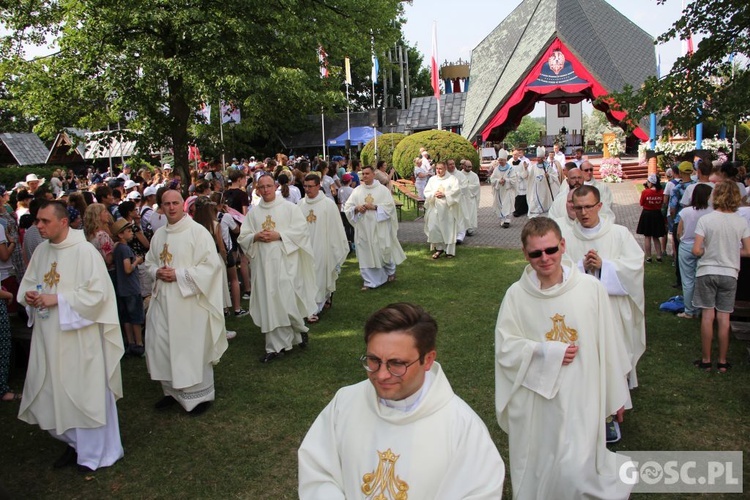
column 421, row 174
column 686, row 234
column 285, row 190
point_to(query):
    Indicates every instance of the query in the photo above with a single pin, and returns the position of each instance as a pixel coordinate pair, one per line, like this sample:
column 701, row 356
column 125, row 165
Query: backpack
column 232, row 236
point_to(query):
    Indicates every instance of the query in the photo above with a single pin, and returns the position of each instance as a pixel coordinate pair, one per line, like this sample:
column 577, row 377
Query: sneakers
column 240, row 313
column 231, row 334
column 613, row 430
column 246, row 296
column 684, row 315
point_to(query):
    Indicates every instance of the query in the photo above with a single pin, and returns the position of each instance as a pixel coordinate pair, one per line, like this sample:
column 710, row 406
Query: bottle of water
column 42, row 311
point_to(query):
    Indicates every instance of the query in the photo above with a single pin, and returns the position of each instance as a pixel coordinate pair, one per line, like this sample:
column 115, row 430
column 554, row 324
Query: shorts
column 232, row 258
column 714, row 291
column 131, row 310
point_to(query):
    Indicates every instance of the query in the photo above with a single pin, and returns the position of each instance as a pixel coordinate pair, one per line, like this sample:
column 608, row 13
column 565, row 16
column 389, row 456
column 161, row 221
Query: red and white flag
column 687, row 44
column 434, row 63
column 323, row 60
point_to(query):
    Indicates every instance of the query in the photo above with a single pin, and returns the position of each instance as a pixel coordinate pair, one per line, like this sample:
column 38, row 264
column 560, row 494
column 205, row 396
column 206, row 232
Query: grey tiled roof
column 422, row 115
column 611, row 47
column 24, row 148
column 60, row 149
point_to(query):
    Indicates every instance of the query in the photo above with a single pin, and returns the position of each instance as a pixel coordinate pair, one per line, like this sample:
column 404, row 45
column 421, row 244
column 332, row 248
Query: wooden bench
column 399, row 204
column 408, row 192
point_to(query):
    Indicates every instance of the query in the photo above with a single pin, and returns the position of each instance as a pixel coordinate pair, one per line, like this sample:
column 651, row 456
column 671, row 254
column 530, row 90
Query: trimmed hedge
column 441, row 145
column 386, row 145
column 11, row 175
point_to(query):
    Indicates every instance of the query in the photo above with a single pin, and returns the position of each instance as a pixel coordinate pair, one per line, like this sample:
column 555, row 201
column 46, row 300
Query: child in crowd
column 129, row 299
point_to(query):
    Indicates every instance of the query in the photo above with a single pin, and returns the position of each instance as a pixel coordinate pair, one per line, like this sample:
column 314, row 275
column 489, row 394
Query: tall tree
column 702, row 85
column 156, row 61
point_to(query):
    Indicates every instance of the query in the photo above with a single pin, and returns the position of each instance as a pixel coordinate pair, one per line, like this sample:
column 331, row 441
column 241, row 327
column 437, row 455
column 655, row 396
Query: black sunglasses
column 535, row 254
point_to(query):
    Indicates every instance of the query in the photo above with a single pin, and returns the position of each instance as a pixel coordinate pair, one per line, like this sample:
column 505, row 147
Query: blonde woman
column 96, row 226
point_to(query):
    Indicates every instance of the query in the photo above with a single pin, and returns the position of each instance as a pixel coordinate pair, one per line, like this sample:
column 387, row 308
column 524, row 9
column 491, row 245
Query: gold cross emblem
column 384, row 484
column 440, row 189
column 269, row 224
column 560, row 332
column 165, row 256
column 311, row 217
column 52, row 278
column 369, row 199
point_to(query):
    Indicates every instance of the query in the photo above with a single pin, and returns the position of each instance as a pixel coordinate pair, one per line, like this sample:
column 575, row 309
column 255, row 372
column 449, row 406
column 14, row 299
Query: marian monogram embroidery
column 560, row 332
column 369, row 199
column 269, row 224
column 383, row 483
column 311, row 217
column 52, row 278
column 165, row 257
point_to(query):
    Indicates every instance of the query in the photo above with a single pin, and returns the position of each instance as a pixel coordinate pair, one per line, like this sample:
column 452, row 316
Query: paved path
column 490, row 234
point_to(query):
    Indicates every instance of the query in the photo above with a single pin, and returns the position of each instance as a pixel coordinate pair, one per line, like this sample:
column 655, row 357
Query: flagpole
column 323, row 130
column 348, row 124
column 435, row 78
column 374, row 77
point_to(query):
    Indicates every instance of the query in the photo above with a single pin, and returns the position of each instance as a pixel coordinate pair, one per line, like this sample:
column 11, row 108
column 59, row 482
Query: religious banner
column 204, row 113
column 557, row 70
column 230, row 113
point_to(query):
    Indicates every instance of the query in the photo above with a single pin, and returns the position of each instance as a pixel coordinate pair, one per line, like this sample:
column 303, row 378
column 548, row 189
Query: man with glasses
column 573, row 180
column 276, row 239
column 558, row 373
column 404, row 432
column 610, row 253
column 327, row 238
column 605, row 194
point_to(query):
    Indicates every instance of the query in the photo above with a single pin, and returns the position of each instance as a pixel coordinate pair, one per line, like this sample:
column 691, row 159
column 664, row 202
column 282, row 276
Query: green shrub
column 743, row 137
column 386, row 145
column 441, row 145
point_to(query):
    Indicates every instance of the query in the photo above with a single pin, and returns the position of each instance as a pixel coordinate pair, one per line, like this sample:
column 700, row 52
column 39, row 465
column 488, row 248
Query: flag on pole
column 687, row 44
column 375, row 65
column 434, row 63
column 348, row 71
column 205, row 113
column 230, row 113
column 323, row 60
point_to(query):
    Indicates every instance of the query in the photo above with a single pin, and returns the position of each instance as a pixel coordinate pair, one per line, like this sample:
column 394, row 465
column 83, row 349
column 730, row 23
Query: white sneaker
column 231, row 334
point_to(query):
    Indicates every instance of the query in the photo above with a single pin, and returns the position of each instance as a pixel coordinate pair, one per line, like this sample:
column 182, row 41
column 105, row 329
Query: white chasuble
column 464, row 201
column 328, row 241
column 554, row 415
column 442, row 215
column 504, row 182
column 543, row 188
column 375, row 231
column 622, row 276
column 360, row 448
column 282, row 271
column 71, row 367
column 185, row 319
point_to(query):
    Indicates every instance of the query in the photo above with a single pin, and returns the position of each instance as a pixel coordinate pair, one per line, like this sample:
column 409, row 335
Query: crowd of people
column 123, row 264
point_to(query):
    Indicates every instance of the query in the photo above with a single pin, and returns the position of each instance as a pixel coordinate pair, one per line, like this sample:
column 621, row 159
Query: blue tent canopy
column 358, row 134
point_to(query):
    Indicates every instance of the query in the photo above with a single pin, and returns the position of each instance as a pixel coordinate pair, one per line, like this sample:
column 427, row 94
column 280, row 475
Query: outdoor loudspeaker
column 376, row 117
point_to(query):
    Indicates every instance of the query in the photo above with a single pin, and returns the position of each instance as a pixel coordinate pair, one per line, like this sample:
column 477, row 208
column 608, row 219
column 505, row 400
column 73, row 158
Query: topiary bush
column 441, row 145
column 386, row 145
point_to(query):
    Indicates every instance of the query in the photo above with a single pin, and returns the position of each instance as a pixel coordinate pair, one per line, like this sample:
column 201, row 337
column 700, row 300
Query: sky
column 462, row 24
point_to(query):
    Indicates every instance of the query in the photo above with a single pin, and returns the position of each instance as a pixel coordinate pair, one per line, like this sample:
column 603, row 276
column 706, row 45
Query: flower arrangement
column 676, row 149
column 614, row 147
column 611, row 170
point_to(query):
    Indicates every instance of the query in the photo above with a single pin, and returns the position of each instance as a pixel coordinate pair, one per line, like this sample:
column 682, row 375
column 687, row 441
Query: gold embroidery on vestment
column 311, row 217
column 369, row 199
column 560, row 332
column 440, row 189
column 52, row 278
column 269, row 224
column 383, row 483
column 165, row 257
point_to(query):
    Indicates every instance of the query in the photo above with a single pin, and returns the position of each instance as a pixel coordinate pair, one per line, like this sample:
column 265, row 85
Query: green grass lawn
column 245, row 446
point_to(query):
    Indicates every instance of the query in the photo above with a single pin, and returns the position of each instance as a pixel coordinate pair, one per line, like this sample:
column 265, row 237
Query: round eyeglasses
column 396, row 368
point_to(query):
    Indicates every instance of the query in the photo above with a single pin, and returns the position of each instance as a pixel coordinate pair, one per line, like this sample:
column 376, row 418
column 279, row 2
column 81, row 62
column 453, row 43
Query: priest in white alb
column 464, row 201
column 73, row 376
column 611, row 253
column 504, row 181
column 605, row 193
column 327, row 238
column 276, row 238
column 473, row 194
column 403, row 433
column 372, row 212
column 185, row 319
column 442, row 198
column 572, row 181
column 543, row 183
column 559, row 372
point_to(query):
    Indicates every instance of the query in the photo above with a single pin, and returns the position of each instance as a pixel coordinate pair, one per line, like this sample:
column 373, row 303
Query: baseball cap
column 133, row 195
column 653, row 179
column 167, row 166
column 130, row 184
column 150, row 191
column 686, row 167
column 347, row 178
